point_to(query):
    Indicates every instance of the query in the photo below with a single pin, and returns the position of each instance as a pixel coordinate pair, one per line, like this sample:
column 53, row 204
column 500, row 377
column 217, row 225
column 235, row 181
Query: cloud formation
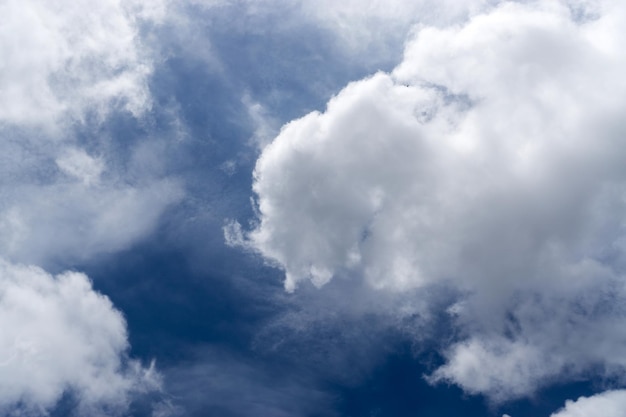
column 490, row 160
column 66, row 195
column 69, row 66
column 63, row 59
column 59, row 336
column 607, row 404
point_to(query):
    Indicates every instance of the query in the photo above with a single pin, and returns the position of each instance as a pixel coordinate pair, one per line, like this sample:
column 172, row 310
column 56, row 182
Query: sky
column 311, row 208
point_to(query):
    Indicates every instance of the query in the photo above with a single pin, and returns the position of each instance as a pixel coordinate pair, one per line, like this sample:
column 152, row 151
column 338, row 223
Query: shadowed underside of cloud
column 490, row 160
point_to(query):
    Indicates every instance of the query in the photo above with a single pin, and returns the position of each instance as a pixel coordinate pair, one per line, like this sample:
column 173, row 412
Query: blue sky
column 306, row 208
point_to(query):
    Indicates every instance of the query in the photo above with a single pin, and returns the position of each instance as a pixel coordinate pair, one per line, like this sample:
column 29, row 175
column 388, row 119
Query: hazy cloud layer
column 59, row 336
column 489, row 160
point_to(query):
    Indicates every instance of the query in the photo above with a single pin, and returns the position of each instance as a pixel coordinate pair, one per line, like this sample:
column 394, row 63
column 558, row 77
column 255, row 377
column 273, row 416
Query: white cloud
column 62, row 59
column 514, row 367
column 58, row 336
column 78, row 164
column 606, row 404
column 265, row 127
column 59, row 203
column 490, row 160
column 65, row 62
column 66, row 66
column 73, row 221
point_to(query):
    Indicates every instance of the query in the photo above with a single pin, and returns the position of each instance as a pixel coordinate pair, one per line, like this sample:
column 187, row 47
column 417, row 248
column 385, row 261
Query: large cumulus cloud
column 490, row 160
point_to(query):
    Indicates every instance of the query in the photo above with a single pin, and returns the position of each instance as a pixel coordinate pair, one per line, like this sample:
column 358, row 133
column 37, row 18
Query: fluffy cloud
column 489, row 160
column 607, row 404
column 64, row 58
column 59, row 336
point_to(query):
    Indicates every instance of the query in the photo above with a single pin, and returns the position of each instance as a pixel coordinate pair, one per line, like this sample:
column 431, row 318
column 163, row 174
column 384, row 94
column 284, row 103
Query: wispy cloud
column 218, row 382
column 66, row 68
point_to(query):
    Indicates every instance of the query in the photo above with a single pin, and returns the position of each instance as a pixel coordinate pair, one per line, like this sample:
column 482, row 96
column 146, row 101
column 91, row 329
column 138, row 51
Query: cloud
column 60, row 202
column 68, row 68
column 64, row 59
column 367, row 32
column 489, row 160
column 73, row 221
column 606, row 404
column 375, row 25
column 69, row 191
column 224, row 384
column 59, row 336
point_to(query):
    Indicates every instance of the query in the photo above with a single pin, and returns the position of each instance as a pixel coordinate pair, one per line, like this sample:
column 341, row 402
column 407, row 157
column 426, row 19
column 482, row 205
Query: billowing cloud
column 607, row 404
column 59, row 336
column 490, row 160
